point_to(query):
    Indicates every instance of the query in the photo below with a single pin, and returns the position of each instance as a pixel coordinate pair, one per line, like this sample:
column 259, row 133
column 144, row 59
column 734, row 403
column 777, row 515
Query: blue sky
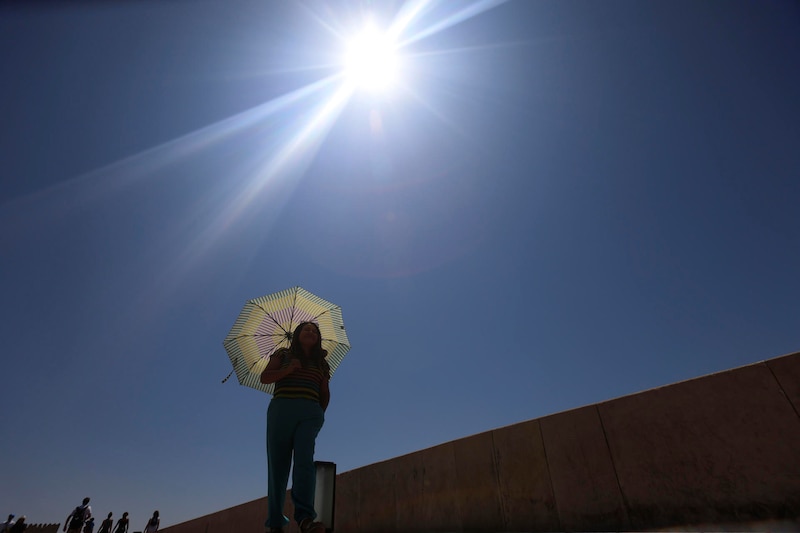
column 561, row 203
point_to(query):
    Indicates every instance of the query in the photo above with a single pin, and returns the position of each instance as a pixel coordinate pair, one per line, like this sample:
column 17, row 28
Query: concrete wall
column 42, row 528
column 721, row 449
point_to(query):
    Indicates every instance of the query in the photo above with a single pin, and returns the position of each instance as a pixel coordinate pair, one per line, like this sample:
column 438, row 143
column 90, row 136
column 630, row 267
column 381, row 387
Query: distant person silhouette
column 6, row 526
column 76, row 519
column 295, row 416
column 107, row 524
column 152, row 524
column 122, row 524
column 19, row 526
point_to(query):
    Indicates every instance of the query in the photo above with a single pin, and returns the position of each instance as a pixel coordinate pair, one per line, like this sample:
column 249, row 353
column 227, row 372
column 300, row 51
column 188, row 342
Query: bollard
column 325, row 492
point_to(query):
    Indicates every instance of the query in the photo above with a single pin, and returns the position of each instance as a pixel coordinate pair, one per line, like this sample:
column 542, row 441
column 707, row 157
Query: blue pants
column 292, row 427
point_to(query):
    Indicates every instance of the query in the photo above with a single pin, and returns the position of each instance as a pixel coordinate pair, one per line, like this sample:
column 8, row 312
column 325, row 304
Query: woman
column 105, row 527
column 152, row 524
column 295, row 416
column 122, row 524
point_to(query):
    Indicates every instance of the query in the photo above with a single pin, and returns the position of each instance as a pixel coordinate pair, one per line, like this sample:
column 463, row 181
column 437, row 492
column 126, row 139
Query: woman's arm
column 273, row 372
column 324, row 387
column 324, row 393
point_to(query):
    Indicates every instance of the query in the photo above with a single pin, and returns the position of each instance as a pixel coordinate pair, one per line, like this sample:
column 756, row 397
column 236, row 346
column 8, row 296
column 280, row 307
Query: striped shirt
column 304, row 382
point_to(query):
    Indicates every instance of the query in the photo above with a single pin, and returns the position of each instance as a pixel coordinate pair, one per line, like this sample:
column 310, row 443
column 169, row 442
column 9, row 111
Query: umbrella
column 267, row 323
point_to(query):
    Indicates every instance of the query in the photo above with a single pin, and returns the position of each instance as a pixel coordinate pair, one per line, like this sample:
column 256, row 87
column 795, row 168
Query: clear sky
column 557, row 204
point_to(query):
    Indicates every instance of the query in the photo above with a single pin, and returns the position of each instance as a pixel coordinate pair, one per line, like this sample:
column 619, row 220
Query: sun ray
column 94, row 186
column 290, row 159
column 409, row 11
column 456, row 18
column 468, row 49
column 339, row 34
column 309, row 136
column 268, row 185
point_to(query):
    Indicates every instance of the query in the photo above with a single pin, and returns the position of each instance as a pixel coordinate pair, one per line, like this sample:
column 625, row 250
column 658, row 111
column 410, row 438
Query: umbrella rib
column 255, row 363
column 322, row 313
column 319, row 315
column 243, row 335
column 270, row 317
column 294, row 308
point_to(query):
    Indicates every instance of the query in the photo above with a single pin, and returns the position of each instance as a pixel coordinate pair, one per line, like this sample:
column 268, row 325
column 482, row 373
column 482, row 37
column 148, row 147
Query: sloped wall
column 42, row 528
column 721, row 449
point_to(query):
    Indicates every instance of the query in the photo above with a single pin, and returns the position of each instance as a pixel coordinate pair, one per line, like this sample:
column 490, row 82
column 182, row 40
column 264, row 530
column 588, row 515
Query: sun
column 371, row 62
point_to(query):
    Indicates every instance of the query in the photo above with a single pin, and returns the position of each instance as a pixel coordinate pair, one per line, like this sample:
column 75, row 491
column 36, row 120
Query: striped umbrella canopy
column 267, row 323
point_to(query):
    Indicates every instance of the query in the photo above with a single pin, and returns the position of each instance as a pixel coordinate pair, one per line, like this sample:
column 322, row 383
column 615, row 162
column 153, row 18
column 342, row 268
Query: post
column 325, row 493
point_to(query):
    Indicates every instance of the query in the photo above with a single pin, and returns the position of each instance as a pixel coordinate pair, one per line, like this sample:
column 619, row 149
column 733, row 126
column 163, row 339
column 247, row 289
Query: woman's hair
column 297, row 348
column 318, row 353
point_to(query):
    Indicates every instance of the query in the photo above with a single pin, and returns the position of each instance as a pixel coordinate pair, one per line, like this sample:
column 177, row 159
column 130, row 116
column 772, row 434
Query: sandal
column 309, row 526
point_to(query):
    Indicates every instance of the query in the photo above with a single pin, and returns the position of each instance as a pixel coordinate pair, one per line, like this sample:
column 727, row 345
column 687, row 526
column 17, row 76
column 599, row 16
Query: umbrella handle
column 234, row 370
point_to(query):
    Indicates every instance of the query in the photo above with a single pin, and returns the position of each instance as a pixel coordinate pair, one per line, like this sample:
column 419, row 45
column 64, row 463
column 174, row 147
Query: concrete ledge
column 709, row 454
column 585, row 484
column 526, row 492
column 787, row 373
column 478, row 483
column 722, row 448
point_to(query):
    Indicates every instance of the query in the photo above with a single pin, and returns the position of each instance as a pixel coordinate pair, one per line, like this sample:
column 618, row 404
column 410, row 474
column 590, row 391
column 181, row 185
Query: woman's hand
column 273, row 372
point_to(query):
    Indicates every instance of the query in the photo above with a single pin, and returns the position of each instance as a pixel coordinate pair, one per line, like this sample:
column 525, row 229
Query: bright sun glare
column 370, row 61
